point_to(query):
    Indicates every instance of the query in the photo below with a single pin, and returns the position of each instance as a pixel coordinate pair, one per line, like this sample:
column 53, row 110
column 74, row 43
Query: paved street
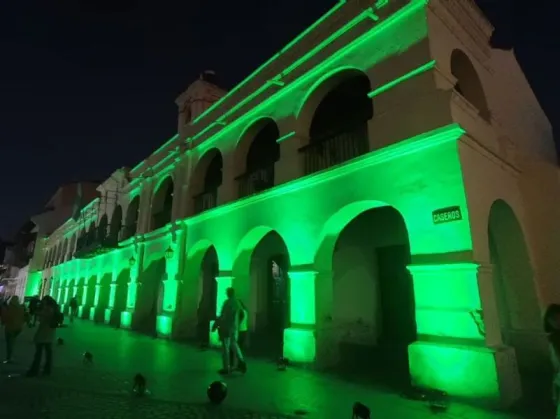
column 178, row 376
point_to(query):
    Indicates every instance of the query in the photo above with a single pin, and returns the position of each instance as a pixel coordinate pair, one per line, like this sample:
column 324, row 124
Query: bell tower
column 198, row 97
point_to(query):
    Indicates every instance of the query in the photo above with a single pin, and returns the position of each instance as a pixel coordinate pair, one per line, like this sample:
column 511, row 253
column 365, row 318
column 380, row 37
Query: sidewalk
column 178, row 376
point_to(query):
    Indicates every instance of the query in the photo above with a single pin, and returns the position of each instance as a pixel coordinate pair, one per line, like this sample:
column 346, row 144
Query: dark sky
column 87, row 86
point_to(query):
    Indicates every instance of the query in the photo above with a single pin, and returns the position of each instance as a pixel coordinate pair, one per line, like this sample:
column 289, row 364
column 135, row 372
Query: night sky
column 89, row 86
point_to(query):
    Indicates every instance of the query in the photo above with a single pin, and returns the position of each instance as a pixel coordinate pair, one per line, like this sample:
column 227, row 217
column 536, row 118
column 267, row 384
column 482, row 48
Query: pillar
column 66, row 292
column 299, row 339
column 225, row 281
column 132, row 290
column 459, row 347
column 164, row 322
column 93, row 310
column 111, row 304
column 59, row 294
column 83, row 311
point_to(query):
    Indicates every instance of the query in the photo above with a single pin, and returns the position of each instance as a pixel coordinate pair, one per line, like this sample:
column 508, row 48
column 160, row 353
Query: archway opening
column 269, row 296
column 71, row 291
column 206, row 181
column 103, row 297
column 116, row 225
column 162, row 204
column 131, row 222
column 80, row 285
column 64, row 252
column 262, row 154
column 339, row 126
column 102, row 230
column 468, row 83
column 149, row 298
column 90, row 297
column 209, row 270
column 516, row 296
column 373, row 296
column 121, row 295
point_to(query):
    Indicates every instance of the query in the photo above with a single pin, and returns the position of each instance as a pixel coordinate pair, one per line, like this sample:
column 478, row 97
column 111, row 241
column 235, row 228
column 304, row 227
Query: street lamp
column 169, row 253
column 132, row 261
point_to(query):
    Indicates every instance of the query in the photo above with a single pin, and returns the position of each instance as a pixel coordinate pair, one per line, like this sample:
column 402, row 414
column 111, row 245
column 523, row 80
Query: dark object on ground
column 282, row 364
column 140, row 384
column 88, row 358
column 60, row 341
column 360, row 411
column 217, row 392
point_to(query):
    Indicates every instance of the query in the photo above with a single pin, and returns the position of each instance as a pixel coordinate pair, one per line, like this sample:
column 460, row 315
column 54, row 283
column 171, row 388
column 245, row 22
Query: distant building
column 385, row 185
column 16, row 258
column 66, row 202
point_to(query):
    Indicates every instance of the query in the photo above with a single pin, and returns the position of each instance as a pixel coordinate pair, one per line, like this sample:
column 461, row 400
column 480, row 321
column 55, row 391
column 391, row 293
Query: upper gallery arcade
column 369, row 189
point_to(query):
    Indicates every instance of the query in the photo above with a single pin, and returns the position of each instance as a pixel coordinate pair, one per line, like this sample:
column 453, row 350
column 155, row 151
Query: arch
column 58, row 253
column 206, row 179
column 255, row 157
column 162, row 203
column 318, row 91
column 468, row 82
column 116, row 223
column 334, row 226
column 517, row 300
column 242, row 261
column 103, row 295
column 203, row 265
column 131, row 221
column 261, row 271
column 89, row 302
column 101, row 232
column 148, row 297
column 208, row 172
column 64, row 252
column 121, row 295
column 372, row 290
column 72, row 244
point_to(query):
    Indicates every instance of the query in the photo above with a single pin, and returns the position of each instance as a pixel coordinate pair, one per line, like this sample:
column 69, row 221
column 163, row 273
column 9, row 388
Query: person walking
column 49, row 318
column 73, row 309
column 13, row 319
column 227, row 326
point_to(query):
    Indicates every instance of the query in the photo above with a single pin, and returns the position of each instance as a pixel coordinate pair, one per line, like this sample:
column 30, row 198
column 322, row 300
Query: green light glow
column 414, row 176
column 403, row 78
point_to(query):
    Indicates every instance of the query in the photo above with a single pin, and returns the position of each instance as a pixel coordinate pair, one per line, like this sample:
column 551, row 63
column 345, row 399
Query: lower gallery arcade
column 338, row 267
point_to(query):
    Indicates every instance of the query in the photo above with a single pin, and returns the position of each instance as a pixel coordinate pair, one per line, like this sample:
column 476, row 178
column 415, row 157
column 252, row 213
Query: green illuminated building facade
column 367, row 187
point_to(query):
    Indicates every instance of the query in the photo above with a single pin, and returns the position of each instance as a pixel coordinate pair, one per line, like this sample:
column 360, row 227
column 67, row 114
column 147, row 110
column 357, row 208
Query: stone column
column 132, row 290
column 459, row 346
column 165, row 318
column 111, row 303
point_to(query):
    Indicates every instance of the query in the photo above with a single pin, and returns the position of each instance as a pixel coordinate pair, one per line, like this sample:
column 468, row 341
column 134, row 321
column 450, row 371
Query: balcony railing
column 335, row 149
column 205, row 201
column 94, row 244
column 127, row 232
column 161, row 219
column 255, row 181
